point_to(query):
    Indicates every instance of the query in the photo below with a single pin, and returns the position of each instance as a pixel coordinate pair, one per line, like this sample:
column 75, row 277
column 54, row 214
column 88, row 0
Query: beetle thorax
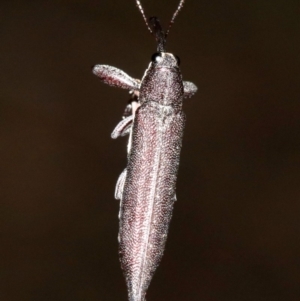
column 162, row 81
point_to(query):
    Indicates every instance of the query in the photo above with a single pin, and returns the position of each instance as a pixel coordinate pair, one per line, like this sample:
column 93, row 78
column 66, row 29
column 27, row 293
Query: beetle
column 154, row 120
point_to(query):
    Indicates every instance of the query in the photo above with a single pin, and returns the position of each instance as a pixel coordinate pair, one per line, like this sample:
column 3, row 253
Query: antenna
column 139, row 5
column 179, row 7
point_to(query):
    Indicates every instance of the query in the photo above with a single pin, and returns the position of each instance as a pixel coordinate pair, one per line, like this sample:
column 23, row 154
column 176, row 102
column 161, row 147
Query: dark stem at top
column 159, row 34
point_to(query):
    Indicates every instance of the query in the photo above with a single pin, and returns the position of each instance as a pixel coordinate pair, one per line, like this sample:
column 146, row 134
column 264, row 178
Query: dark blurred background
column 235, row 233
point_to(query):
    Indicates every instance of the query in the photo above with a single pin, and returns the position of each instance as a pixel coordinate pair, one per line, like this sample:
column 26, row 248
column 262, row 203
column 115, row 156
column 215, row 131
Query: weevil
column 154, row 121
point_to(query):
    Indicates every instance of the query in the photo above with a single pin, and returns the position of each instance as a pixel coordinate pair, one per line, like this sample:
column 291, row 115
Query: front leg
column 189, row 89
column 124, row 126
column 116, row 77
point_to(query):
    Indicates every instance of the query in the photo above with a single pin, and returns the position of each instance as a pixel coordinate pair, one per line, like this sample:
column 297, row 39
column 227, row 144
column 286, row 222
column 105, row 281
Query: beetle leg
column 115, row 77
column 120, row 185
column 123, row 127
column 189, row 89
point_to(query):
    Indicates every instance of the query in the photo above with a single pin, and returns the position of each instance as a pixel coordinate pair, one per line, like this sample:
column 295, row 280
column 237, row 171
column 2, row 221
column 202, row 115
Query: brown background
column 236, row 228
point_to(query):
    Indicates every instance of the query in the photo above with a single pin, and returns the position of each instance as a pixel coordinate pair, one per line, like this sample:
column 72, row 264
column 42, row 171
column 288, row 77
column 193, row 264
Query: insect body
column 146, row 188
